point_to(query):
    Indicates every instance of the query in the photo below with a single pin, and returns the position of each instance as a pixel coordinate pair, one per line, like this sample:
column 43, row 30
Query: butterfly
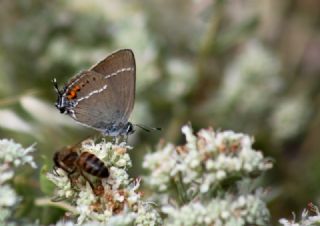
column 103, row 96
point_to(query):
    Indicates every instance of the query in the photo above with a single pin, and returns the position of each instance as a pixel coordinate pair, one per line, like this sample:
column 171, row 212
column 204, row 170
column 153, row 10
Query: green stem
column 181, row 190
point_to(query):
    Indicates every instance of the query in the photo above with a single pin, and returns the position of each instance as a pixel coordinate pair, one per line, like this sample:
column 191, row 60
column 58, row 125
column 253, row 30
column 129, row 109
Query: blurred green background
column 243, row 65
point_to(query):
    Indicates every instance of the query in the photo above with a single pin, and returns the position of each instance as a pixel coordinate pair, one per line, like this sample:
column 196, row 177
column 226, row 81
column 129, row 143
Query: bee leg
column 87, row 179
column 70, row 173
column 55, row 171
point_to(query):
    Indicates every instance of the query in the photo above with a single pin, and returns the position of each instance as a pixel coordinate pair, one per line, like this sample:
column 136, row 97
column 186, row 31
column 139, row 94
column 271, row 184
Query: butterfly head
column 60, row 103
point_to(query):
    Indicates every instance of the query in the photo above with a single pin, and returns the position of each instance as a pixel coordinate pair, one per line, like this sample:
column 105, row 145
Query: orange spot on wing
column 73, row 92
column 76, row 88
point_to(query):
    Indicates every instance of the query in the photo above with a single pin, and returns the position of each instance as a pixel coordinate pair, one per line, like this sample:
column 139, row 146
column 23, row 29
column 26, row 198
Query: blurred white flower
column 181, row 80
column 43, row 112
column 286, row 222
column 134, row 34
column 8, row 196
column 12, row 155
column 10, row 120
column 160, row 164
column 290, row 117
column 147, row 216
column 251, row 82
column 66, row 223
column 62, row 49
column 311, row 220
column 140, row 42
column 310, row 216
column 6, row 173
column 4, row 214
column 124, row 219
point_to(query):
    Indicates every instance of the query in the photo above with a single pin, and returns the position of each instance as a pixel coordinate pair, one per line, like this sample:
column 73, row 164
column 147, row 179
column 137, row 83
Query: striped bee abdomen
column 93, row 165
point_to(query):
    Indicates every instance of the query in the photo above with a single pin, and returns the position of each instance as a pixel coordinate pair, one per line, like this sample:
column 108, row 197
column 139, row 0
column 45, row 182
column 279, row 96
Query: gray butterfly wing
column 120, row 71
column 109, row 95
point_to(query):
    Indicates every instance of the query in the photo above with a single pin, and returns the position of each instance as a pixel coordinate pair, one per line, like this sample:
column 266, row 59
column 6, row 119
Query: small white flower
column 5, row 175
column 221, row 174
column 286, row 222
column 210, row 164
column 191, row 139
column 241, row 200
column 225, row 214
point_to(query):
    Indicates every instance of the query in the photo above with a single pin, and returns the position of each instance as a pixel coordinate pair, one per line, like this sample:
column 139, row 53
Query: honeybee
column 73, row 162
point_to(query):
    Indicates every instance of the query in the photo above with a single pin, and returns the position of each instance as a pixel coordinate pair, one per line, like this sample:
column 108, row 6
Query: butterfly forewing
column 121, row 62
column 112, row 84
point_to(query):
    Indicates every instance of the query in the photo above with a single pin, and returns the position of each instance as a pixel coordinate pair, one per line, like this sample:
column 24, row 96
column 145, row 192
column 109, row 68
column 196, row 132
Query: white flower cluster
column 227, row 211
column 205, row 161
column 310, row 216
column 196, row 179
column 11, row 155
column 114, row 199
